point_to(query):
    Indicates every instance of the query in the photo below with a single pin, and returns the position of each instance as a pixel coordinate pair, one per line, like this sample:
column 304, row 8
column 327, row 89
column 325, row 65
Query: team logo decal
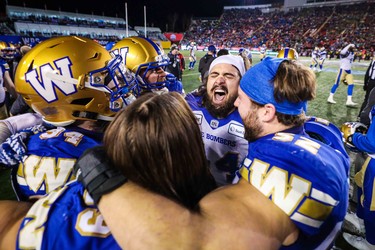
column 45, row 86
column 237, row 130
column 214, row 123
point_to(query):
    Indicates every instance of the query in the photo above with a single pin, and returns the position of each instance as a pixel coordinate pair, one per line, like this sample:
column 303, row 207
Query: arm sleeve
column 344, row 50
column 365, row 142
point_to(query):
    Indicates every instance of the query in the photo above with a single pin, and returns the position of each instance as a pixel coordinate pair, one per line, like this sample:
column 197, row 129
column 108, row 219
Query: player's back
column 306, row 179
column 70, row 221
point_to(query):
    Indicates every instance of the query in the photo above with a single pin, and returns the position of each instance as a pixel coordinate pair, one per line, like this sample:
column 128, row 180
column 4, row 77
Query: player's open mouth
column 219, row 96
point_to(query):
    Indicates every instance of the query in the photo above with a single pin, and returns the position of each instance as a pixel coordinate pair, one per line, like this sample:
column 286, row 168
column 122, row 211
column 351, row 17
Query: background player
column 314, row 58
column 262, row 52
column 322, row 57
column 345, row 75
column 247, row 57
column 7, row 53
column 192, row 56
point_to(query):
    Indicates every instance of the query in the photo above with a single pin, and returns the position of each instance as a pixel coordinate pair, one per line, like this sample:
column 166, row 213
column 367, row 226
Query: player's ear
column 268, row 112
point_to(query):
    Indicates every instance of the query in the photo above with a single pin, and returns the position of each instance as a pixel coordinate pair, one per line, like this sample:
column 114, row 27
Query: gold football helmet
column 74, row 78
column 141, row 55
column 289, row 53
column 348, row 129
column 7, row 50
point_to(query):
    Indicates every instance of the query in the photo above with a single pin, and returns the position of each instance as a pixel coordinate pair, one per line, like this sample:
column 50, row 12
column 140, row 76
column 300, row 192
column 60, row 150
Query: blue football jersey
column 305, row 178
column 223, row 140
column 365, row 180
column 49, row 159
column 66, row 218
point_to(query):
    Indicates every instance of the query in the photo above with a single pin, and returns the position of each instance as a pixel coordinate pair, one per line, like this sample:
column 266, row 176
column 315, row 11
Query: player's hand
column 348, row 129
column 95, row 172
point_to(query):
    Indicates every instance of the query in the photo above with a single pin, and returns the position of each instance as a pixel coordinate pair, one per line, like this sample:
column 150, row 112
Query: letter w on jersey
column 44, row 86
column 294, row 194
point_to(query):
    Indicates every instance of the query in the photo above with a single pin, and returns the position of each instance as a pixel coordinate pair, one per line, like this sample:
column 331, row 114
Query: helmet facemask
column 117, row 80
column 8, row 52
column 159, row 67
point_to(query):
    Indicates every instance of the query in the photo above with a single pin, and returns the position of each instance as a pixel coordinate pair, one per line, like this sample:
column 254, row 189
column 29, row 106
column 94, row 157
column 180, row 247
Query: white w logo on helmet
column 45, row 86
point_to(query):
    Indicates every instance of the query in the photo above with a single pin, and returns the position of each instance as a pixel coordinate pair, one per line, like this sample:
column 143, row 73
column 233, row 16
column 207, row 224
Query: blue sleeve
column 365, row 142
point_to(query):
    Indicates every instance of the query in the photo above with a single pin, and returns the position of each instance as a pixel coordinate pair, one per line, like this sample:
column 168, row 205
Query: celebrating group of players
column 144, row 147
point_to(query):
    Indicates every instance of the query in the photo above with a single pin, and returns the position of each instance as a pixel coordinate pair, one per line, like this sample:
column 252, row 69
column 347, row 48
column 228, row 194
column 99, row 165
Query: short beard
column 219, row 111
column 253, row 128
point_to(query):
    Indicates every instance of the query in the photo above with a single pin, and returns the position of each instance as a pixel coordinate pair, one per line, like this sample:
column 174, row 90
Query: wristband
column 96, row 173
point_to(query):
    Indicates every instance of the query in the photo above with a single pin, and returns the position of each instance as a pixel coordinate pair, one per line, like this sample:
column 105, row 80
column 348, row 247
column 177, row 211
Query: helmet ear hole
column 83, row 101
column 316, row 136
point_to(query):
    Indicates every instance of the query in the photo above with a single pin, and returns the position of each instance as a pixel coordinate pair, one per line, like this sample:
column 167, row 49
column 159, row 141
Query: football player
column 7, row 53
column 247, row 57
column 345, row 75
column 358, row 138
column 262, row 52
column 219, row 120
column 154, row 132
column 314, row 58
column 322, row 57
column 280, row 200
column 77, row 88
column 148, row 62
column 192, row 56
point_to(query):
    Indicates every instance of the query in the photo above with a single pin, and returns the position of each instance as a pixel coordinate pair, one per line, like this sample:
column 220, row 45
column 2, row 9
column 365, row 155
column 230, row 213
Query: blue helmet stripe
column 156, row 47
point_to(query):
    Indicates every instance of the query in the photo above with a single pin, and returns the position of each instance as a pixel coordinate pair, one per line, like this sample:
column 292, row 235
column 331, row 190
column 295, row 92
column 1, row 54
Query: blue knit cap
column 257, row 84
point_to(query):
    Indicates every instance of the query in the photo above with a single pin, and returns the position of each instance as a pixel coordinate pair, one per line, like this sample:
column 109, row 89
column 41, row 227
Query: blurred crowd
column 303, row 29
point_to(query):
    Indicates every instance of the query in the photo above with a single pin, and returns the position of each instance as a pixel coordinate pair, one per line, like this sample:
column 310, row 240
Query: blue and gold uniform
column 48, row 162
column 365, row 180
column 262, row 52
column 66, row 218
column 345, row 75
column 305, row 178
